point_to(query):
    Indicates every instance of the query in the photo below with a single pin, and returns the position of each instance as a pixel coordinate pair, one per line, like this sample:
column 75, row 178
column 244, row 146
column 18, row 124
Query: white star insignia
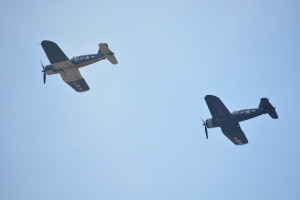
column 77, row 86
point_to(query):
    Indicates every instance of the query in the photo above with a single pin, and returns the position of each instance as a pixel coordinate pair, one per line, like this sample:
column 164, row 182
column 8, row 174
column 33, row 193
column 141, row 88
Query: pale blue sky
column 137, row 134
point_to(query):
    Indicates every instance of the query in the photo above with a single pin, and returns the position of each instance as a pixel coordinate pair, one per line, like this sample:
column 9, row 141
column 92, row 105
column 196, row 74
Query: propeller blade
column 42, row 65
column 44, row 77
column 205, row 126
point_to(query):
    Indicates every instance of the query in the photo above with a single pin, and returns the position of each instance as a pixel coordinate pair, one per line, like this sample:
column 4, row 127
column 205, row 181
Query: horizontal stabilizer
column 273, row 114
column 109, row 55
column 267, row 106
column 112, row 59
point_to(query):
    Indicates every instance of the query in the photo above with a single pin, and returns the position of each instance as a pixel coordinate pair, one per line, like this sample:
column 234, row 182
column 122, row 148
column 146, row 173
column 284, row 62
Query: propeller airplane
column 69, row 68
column 229, row 122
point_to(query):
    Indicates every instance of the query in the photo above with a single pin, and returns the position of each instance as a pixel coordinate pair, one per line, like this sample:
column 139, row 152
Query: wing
column 53, row 52
column 216, row 107
column 73, row 77
column 234, row 133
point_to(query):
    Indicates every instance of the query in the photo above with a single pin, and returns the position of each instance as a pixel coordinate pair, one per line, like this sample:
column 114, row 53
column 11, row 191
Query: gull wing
column 216, row 107
column 234, row 133
column 53, row 52
column 74, row 79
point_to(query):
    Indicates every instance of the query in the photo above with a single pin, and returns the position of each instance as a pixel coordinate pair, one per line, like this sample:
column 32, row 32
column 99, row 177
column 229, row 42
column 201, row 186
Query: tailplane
column 105, row 51
column 267, row 106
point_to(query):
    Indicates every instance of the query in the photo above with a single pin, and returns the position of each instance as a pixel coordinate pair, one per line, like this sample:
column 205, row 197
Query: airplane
column 229, row 122
column 69, row 68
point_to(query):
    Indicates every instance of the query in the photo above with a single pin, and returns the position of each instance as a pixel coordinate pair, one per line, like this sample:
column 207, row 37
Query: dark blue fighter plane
column 229, row 122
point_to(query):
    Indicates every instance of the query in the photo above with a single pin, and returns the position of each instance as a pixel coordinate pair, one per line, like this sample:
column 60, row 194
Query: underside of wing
column 53, row 52
column 73, row 78
column 216, row 107
column 234, row 133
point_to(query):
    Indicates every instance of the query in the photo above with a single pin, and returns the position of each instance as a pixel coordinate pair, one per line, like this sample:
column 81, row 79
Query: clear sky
column 137, row 134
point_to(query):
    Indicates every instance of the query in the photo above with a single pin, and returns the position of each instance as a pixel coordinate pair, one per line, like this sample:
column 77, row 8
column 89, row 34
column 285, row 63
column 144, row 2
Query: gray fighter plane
column 69, row 68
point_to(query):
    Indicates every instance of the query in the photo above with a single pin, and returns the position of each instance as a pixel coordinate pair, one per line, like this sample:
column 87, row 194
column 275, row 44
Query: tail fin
column 267, row 106
column 105, row 51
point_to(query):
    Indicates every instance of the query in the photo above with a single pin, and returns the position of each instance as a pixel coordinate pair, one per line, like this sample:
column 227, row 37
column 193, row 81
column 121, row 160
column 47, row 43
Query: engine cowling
column 211, row 123
column 49, row 69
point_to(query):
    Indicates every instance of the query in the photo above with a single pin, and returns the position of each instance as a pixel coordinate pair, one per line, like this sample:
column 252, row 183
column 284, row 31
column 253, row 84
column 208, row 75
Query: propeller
column 44, row 76
column 205, row 126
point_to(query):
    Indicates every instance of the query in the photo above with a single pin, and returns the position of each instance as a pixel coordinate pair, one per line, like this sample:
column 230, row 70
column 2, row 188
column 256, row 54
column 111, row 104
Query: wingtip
column 209, row 96
column 46, row 41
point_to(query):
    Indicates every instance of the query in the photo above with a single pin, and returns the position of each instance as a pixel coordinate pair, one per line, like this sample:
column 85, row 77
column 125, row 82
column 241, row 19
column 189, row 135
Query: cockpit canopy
column 75, row 59
column 236, row 111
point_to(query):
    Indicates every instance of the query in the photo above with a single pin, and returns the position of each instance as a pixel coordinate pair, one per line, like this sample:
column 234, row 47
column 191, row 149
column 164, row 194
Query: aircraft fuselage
column 77, row 61
column 236, row 116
